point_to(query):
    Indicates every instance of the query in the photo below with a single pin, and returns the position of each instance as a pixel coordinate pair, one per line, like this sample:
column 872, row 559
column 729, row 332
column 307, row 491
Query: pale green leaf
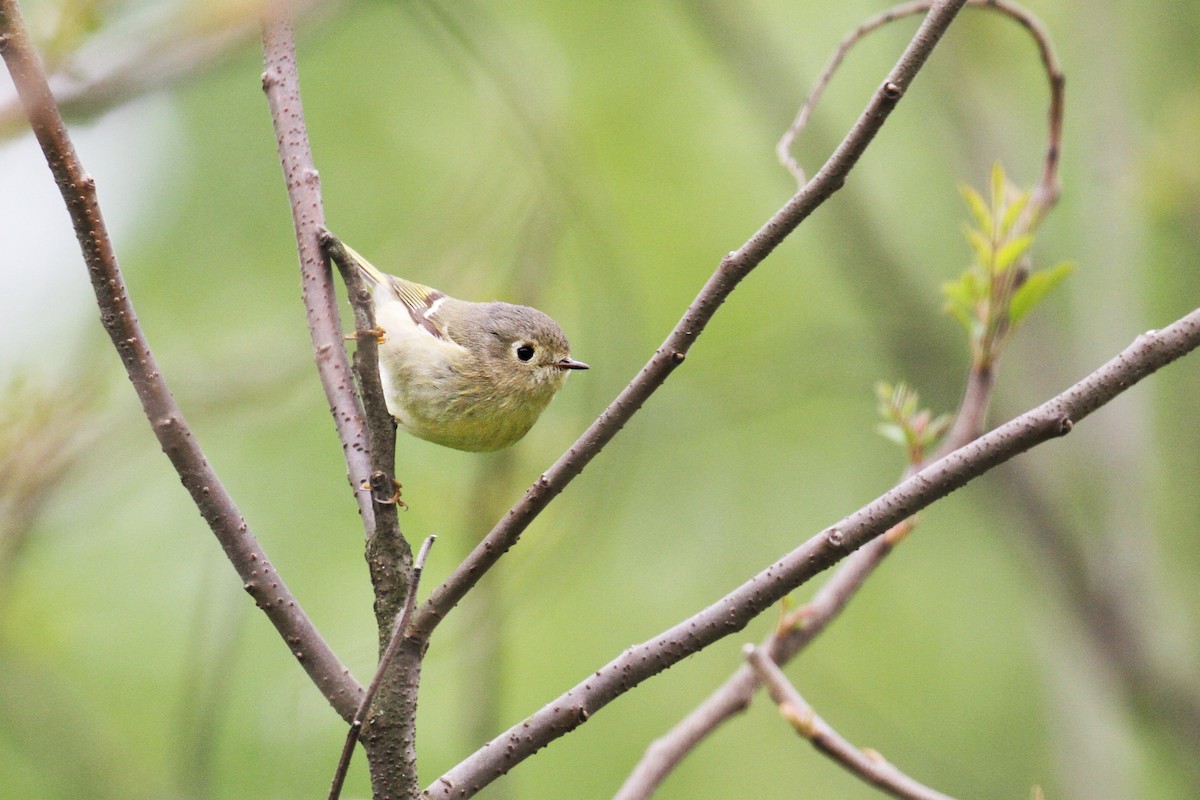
column 998, row 185
column 966, row 291
column 935, row 429
column 964, row 317
column 979, row 209
column 1011, row 251
column 883, row 392
column 1013, row 212
column 982, row 246
column 893, row 433
column 1035, row 288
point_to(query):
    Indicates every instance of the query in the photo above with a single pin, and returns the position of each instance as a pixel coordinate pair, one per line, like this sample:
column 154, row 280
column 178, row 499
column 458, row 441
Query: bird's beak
column 570, row 363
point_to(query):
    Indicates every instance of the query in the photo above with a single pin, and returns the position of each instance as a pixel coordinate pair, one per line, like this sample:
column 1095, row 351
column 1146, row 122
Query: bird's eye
column 524, row 352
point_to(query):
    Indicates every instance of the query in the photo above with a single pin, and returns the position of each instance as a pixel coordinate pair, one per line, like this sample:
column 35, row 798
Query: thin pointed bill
column 570, row 363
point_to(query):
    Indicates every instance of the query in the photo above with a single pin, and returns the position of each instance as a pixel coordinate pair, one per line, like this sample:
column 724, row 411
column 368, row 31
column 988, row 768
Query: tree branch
column 1048, row 190
column 388, row 553
column 385, row 661
column 732, row 269
column 733, row 696
column 1054, row 418
column 390, row 738
column 117, row 315
column 281, row 83
column 803, row 625
column 870, row 767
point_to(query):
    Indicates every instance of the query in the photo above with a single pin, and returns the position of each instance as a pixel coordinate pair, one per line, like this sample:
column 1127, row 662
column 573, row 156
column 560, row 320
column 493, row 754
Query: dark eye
column 525, row 352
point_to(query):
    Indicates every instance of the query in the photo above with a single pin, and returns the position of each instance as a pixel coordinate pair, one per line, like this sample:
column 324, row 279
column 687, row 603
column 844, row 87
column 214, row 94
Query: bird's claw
column 379, row 333
column 376, row 483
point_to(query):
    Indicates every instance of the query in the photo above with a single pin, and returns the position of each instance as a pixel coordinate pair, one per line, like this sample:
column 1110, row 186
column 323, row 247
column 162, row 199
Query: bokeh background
column 596, row 160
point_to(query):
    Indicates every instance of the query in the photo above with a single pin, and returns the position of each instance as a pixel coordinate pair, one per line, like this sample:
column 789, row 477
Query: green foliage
column 1030, row 293
column 999, row 288
column 911, row 427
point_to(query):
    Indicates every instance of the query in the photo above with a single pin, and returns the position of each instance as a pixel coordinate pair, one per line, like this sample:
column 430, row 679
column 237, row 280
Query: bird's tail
column 341, row 252
column 367, row 269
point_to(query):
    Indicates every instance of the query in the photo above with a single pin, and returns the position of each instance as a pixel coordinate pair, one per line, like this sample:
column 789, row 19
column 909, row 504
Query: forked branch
column 1048, row 188
column 166, row 420
column 870, row 766
column 729, row 273
column 281, row 83
column 1052, row 419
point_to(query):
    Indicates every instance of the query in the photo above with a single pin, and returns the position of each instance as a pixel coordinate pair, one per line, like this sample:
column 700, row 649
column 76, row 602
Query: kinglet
column 472, row 376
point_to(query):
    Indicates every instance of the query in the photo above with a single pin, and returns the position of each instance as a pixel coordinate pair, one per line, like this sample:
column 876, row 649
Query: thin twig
column 388, row 552
column 117, row 315
column 1054, row 418
column 803, row 625
column 1048, row 188
column 729, row 273
column 798, row 628
column 733, row 696
column 385, row 661
column 871, row 767
column 281, row 83
column 381, row 428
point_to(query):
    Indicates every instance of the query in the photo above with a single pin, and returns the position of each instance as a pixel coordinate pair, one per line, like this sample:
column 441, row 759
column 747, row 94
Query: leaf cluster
column 1000, row 287
column 906, row 424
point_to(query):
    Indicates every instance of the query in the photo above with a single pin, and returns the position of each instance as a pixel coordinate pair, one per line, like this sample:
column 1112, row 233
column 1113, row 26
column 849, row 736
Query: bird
column 466, row 375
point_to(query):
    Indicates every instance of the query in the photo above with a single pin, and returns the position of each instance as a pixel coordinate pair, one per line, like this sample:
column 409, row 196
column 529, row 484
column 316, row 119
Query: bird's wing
column 422, row 303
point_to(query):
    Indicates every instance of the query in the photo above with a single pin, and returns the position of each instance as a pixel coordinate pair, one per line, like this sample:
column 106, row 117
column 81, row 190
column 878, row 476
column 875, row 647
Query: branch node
column 835, row 537
column 802, row 720
column 1065, row 425
column 892, row 91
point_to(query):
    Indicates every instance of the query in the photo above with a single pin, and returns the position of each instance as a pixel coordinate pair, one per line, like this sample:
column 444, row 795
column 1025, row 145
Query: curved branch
column 117, row 315
column 1054, row 418
column 1048, row 188
column 281, row 83
column 803, row 625
column 732, row 269
column 870, row 767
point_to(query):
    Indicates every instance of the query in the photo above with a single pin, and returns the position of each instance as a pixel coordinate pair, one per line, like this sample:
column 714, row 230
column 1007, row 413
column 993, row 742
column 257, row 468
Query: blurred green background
column 597, row 160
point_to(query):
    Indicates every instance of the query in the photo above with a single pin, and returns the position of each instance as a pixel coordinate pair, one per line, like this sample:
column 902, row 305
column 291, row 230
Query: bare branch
column 803, row 625
column 385, row 661
column 730, row 614
column 733, row 696
column 117, row 315
column 388, row 553
column 871, row 767
column 281, row 83
column 381, row 428
column 390, row 739
column 729, row 273
column 1048, row 187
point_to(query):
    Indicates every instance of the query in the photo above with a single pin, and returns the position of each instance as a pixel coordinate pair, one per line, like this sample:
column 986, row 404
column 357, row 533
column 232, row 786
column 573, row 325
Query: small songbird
column 472, row 376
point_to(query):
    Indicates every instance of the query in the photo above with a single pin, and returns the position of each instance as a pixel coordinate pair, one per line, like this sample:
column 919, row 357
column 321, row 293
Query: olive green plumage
column 472, row 376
